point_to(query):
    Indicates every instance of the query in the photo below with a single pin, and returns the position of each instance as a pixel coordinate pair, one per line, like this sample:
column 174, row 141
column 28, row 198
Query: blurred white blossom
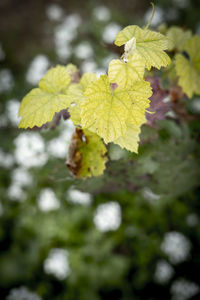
column 57, row 147
column 6, row 159
column 76, row 196
column 21, row 177
column 16, row 193
column 176, row 246
column 101, row 13
column 30, row 150
column 57, row 263
column 88, row 66
column 163, row 272
column 64, row 34
column 83, row 50
column 182, row 289
column 22, row 293
column 47, row 200
column 110, row 32
column 12, row 107
column 54, row 12
column 6, row 80
column 108, row 216
column 37, row 69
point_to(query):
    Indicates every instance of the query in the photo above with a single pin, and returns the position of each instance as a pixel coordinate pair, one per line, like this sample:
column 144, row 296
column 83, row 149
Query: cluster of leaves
column 187, row 59
column 112, row 108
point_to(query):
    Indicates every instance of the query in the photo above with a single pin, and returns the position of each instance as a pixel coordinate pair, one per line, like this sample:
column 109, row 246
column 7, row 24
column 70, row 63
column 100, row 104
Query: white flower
column 54, row 12
column 57, row 147
column 88, row 66
column 47, row 200
column 108, row 216
column 6, row 160
column 164, row 272
column 182, row 289
column 22, row 293
column 37, row 69
column 76, row 196
column 12, row 107
column 16, row 193
column 57, row 263
column 30, row 150
column 110, row 32
column 64, row 34
column 21, row 177
column 6, row 80
column 83, row 50
column 101, row 13
column 176, row 246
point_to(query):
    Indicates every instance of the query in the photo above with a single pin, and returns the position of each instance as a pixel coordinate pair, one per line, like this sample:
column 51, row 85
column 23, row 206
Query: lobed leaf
column 179, row 37
column 189, row 77
column 188, row 70
column 106, row 111
column 150, row 45
column 54, row 94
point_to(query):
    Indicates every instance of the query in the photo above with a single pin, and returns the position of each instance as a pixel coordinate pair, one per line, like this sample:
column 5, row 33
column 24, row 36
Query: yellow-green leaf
column 54, row 94
column 189, row 77
column 106, row 111
column 76, row 91
column 130, row 139
column 192, row 47
column 188, row 70
column 179, row 37
column 150, row 45
column 125, row 73
column 55, row 80
column 140, row 92
column 87, row 79
column 87, row 154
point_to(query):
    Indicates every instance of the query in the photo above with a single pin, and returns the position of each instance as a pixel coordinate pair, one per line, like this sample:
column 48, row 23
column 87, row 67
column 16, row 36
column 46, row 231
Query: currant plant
column 112, row 108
